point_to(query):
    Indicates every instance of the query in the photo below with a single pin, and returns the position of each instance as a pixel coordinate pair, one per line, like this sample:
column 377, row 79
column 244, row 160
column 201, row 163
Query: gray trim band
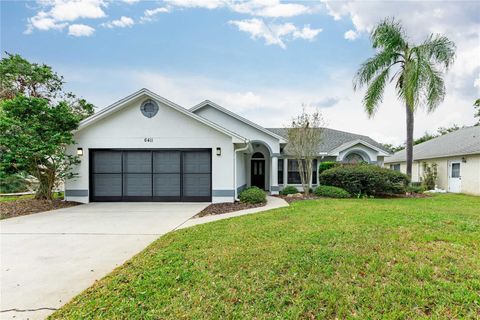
column 76, row 193
column 274, row 188
column 223, row 193
column 241, row 188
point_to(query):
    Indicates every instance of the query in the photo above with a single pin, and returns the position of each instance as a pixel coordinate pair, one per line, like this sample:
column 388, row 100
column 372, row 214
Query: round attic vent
column 149, row 108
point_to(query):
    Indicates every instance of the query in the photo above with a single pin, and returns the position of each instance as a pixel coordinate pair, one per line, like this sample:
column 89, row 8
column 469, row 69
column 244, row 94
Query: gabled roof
column 334, row 140
column 236, row 116
column 458, row 143
column 120, row 104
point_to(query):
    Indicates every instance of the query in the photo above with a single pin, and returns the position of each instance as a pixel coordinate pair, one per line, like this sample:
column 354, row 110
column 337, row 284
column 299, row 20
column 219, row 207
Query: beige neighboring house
column 457, row 155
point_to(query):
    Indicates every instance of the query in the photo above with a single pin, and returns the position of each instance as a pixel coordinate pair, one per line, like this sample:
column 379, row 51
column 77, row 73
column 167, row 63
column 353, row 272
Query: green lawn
column 362, row 258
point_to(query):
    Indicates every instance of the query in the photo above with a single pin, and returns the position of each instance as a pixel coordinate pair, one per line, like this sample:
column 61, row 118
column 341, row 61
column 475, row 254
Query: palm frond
column 437, row 49
column 374, row 94
column 434, row 87
column 389, row 35
column 374, row 66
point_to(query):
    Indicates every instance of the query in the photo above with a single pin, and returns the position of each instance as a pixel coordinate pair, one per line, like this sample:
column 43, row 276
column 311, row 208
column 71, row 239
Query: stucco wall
column 238, row 127
column 469, row 172
column 128, row 128
column 241, row 171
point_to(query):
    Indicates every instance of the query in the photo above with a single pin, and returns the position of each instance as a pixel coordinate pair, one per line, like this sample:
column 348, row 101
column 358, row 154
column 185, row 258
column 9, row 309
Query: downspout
column 247, row 145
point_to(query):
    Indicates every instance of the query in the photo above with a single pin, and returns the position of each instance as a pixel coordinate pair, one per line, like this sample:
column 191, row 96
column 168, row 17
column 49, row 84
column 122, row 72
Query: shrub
column 331, row 192
column 429, row 178
column 326, row 165
column 365, row 179
column 415, row 189
column 289, row 190
column 11, row 183
column 253, row 195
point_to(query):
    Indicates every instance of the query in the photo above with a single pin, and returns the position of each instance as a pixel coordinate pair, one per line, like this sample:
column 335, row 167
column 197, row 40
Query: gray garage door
column 150, row 175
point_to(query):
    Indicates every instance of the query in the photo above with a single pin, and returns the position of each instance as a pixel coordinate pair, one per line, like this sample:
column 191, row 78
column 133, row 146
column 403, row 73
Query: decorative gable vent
column 149, row 108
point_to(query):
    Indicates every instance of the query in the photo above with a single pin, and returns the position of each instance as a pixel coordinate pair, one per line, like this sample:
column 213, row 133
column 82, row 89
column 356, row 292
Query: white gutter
column 247, row 145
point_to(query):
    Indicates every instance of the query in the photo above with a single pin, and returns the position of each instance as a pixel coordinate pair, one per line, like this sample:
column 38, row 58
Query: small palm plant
column 416, row 69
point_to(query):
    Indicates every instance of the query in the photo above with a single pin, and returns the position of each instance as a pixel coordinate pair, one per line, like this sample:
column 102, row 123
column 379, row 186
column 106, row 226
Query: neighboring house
column 147, row 148
column 457, row 155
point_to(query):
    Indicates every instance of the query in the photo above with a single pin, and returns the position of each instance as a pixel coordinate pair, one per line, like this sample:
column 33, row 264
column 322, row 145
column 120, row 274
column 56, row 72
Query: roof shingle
column 332, row 139
column 457, row 143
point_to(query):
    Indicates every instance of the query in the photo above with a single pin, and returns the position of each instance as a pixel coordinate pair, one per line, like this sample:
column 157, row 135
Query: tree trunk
column 305, row 171
column 409, row 147
column 46, row 183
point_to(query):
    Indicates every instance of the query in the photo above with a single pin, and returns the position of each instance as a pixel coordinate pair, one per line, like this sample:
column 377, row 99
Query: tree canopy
column 37, row 119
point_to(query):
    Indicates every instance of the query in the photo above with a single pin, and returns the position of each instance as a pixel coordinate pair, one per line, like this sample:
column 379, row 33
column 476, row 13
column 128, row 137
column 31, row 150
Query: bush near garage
column 331, row 192
column 365, row 179
column 253, row 195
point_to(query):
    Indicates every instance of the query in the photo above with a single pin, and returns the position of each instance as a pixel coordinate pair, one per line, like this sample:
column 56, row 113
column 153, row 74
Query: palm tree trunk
column 409, row 148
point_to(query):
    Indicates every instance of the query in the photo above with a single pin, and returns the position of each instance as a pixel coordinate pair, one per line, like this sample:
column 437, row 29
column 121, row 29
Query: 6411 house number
column 147, row 139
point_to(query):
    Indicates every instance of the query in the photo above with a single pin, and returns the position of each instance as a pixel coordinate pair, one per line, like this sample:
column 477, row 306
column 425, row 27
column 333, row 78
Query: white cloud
column 270, row 8
column 123, row 22
column 206, row 4
column 56, row 14
column 274, row 34
column 80, row 30
column 131, row 1
column 153, row 12
column 42, row 21
column 351, row 35
column 306, row 33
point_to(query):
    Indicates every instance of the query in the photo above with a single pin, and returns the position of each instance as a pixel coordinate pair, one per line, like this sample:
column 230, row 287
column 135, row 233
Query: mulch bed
column 15, row 208
column 219, row 208
column 298, row 198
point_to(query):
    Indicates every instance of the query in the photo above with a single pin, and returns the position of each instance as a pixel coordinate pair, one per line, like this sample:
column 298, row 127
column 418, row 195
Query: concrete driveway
column 49, row 257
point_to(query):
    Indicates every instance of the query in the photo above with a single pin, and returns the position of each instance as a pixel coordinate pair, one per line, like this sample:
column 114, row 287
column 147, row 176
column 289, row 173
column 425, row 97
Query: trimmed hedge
column 253, row 195
column 326, row 165
column 331, row 192
column 288, row 190
column 365, row 179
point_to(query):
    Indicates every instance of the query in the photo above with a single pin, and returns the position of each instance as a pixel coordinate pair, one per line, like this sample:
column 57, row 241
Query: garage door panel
column 196, row 162
column 166, row 185
column 166, row 161
column 107, row 162
column 196, row 185
column 137, row 162
column 107, row 185
column 137, row 184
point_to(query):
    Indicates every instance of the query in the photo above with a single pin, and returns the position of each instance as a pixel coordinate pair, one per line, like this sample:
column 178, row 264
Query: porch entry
column 257, row 170
column 454, row 176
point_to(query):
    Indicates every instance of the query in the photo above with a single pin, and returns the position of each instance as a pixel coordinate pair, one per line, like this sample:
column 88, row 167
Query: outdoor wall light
column 79, row 151
column 219, row 151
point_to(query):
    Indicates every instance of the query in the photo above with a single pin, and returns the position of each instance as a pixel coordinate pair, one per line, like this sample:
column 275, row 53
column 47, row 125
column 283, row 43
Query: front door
column 258, row 173
column 454, row 177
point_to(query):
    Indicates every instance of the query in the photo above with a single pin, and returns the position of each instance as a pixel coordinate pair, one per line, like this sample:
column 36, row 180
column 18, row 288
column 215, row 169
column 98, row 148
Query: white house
column 147, row 148
column 457, row 155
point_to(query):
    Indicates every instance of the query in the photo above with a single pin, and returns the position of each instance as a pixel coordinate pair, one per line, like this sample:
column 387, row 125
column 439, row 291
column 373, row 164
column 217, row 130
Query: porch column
column 274, row 176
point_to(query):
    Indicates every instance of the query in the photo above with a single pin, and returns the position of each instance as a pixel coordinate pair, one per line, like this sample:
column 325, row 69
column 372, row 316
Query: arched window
column 353, row 158
column 257, row 155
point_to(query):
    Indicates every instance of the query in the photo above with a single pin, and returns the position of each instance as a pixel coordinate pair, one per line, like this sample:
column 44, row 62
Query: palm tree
column 416, row 69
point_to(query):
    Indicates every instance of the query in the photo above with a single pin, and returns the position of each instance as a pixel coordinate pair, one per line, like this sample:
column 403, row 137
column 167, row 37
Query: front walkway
column 50, row 257
column 272, row 203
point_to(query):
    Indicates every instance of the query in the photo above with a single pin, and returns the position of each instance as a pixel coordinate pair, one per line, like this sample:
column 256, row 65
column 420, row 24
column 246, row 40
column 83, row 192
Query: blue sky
column 262, row 59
